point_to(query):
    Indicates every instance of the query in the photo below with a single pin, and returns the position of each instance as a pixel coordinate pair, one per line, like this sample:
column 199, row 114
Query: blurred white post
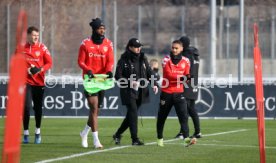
column 139, row 22
column 8, row 37
column 246, row 37
column 183, row 21
column 213, row 38
column 272, row 34
column 221, row 17
column 52, row 35
column 241, row 42
column 96, row 11
column 115, row 26
column 227, row 33
column 40, row 21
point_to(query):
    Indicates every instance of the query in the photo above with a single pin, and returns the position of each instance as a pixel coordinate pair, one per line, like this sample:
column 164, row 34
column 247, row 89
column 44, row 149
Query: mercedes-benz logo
column 205, row 101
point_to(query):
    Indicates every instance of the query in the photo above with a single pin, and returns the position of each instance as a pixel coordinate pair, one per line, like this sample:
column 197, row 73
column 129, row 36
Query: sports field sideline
column 223, row 141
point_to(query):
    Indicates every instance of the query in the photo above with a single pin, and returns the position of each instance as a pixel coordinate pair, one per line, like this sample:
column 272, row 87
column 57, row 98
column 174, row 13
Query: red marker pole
column 16, row 96
column 259, row 94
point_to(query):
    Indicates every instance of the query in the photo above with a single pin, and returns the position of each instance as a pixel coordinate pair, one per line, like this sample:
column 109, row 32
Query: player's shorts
column 87, row 94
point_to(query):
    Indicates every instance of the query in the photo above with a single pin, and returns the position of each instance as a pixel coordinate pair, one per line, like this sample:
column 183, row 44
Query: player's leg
column 195, row 118
column 182, row 113
column 38, row 92
column 93, row 102
column 118, row 135
column 163, row 112
column 26, row 113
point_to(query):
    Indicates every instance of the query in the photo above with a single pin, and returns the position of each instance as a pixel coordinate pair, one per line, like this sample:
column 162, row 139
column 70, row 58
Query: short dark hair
column 31, row 29
column 177, row 42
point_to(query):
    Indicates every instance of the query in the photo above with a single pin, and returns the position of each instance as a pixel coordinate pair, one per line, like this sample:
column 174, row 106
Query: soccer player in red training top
column 38, row 62
column 175, row 71
column 95, row 57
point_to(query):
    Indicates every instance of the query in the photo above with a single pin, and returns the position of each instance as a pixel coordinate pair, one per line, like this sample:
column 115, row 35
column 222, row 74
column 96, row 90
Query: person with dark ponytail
column 95, row 57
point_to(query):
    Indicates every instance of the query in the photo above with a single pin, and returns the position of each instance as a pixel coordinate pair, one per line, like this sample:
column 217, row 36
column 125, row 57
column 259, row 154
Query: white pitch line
column 126, row 146
column 227, row 145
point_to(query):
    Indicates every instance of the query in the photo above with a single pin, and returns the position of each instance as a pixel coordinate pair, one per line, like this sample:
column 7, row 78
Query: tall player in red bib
column 38, row 61
column 175, row 71
column 95, row 57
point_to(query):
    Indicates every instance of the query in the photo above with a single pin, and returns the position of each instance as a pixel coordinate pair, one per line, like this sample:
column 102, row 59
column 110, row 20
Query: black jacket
column 192, row 54
column 125, row 67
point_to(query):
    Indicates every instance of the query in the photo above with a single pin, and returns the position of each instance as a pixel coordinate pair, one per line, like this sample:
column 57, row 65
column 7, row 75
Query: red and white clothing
column 97, row 58
column 172, row 74
column 39, row 56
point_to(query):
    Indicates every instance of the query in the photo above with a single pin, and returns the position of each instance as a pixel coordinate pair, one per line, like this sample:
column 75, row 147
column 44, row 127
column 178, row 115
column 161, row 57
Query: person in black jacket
column 191, row 91
column 133, row 66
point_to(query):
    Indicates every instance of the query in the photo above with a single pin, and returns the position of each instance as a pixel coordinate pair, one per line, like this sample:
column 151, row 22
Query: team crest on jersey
column 105, row 48
column 37, row 53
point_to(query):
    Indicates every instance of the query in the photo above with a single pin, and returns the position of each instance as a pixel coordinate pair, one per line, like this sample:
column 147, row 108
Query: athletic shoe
column 137, row 142
column 98, row 145
column 84, row 142
column 37, row 139
column 117, row 139
column 189, row 141
column 160, row 142
column 198, row 135
column 26, row 139
column 179, row 136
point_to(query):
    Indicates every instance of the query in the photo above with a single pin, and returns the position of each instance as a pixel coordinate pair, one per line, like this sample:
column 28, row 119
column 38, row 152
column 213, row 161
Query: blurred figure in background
column 95, row 57
column 155, row 69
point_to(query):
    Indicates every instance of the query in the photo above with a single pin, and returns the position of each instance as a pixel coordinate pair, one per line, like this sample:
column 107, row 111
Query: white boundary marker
column 126, row 146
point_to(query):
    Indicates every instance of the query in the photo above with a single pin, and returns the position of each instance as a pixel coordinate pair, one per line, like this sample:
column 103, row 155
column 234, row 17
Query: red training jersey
column 39, row 56
column 97, row 58
column 172, row 73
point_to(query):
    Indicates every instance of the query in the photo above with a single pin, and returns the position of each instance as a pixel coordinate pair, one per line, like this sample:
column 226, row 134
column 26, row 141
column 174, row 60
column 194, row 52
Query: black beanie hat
column 185, row 41
column 96, row 23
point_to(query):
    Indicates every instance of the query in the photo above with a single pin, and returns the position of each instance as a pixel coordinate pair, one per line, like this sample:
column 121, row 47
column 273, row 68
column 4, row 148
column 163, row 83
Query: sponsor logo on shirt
column 33, row 59
column 96, row 55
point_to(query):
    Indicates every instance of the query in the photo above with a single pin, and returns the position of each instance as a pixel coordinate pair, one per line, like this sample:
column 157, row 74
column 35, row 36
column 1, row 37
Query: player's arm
column 47, row 60
column 81, row 59
column 110, row 58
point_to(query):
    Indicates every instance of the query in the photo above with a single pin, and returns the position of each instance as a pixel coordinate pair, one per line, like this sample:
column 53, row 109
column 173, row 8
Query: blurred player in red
column 38, row 62
column 176, row 70
column 95, row 57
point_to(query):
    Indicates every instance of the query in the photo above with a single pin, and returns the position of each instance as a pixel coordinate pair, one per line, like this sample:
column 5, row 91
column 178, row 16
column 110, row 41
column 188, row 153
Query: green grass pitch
column 224, row 141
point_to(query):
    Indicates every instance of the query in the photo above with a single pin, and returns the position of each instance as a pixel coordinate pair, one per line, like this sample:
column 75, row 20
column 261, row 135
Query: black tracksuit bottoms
column 194, row 115
column 33, row 99
column 166, row 102
column 131, row 119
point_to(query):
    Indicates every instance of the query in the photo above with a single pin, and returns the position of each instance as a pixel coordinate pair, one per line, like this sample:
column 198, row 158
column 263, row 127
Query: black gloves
column 110, row 75
column 90, row 74
column 35, row 70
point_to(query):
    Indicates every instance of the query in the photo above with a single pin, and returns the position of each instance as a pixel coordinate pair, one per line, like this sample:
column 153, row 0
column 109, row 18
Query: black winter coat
column 125, row 67
column 192, row 54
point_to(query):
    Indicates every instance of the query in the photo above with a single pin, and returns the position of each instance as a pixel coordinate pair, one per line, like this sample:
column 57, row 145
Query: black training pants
column 166, row 102
column 131, row 119
column 193, row 113
column 33, row 99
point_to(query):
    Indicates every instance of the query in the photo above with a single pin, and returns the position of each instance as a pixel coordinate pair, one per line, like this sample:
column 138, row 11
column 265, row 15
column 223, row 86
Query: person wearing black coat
column 191, row 91
column 131, row 68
